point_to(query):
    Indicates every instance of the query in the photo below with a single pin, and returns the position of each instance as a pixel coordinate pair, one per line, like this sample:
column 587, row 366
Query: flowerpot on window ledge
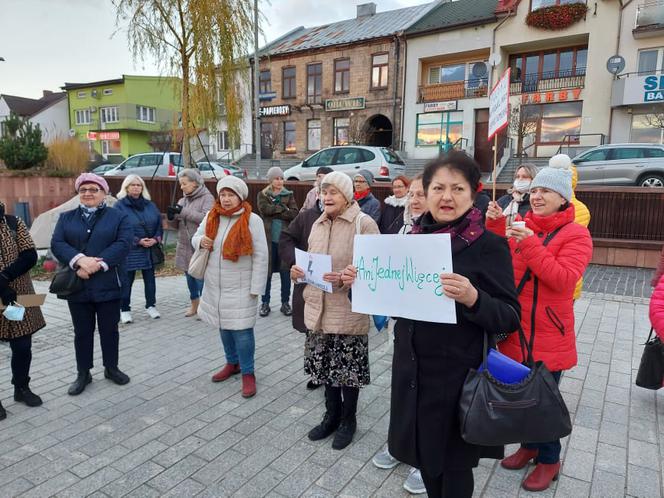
column 557, row 17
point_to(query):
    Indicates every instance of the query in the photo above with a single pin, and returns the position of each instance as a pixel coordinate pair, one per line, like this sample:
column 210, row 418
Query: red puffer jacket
column 557, row 268
column 657, row 309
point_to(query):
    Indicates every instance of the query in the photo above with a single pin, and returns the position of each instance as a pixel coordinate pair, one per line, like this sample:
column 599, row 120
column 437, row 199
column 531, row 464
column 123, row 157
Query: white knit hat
column 235, row 184
column 340, row 181
column 558, row 180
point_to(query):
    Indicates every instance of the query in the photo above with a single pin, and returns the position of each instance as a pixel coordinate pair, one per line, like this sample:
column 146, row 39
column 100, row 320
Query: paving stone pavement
column 171, row 432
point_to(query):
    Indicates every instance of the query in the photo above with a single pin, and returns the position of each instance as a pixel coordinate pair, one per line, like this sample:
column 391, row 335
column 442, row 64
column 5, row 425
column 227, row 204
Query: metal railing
column 571, row 143
column 547, row 81
column 650, row 14
column 640, row 73
column 466, row 89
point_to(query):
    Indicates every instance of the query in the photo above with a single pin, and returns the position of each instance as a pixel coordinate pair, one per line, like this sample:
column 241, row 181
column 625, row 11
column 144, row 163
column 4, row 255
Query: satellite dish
column 479, row 70
column 495, row 59
column 615, row 64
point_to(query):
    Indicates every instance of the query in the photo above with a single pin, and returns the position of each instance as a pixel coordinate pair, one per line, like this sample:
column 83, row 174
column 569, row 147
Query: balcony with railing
column 548, row 81
column 649, row 19
column 468, row 89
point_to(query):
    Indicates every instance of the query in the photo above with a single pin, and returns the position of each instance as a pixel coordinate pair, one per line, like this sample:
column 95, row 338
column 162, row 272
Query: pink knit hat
column 91, row 178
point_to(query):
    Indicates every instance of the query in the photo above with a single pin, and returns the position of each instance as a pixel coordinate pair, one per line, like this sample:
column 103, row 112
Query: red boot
column 519, row 459
column 540, row 478
column 248, row 385
column 228, row 370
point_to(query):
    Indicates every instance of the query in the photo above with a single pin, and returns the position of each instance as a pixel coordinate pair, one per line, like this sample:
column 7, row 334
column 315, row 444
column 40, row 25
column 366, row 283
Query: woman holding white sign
column 337, row 347
column 431, row 360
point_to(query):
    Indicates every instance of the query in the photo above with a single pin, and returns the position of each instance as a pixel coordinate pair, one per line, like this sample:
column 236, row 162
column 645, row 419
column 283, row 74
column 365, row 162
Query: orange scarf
column 238, row 242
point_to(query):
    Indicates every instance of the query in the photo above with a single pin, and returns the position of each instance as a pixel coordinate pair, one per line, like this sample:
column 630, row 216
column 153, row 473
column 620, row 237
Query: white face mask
column 521, row 185
column 14, row 312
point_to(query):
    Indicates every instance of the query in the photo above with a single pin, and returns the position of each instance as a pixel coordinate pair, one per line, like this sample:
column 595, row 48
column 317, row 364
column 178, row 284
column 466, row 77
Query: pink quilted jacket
column 657, row 308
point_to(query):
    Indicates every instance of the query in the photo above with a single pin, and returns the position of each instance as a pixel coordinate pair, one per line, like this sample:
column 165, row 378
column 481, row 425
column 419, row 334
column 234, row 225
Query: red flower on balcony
column 557, row 17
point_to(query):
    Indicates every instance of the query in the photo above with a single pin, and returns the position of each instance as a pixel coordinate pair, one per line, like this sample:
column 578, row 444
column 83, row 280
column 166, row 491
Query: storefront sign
column 548, row 97
column 92, row 135
column 499, row 105
column 450, row 105
column 109, row 135
column 345, row 104
column 267, row 96
column 642, row 89
column 275, row 110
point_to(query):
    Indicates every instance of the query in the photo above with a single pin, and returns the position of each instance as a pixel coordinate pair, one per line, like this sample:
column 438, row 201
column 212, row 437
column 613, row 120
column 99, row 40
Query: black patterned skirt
column 337, row 359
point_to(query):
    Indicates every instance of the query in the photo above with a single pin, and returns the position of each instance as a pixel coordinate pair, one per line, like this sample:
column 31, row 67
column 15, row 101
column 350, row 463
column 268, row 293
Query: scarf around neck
column 89, row 213
column 361, row 195
column 238, row 241
column 464, row 231
column 137, row 204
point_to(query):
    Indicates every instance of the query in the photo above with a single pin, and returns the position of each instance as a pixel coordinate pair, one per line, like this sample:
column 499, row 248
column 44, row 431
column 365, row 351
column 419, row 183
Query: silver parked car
column 622, row 164
column 148, row 164
column 215, row 169
column 383, row 163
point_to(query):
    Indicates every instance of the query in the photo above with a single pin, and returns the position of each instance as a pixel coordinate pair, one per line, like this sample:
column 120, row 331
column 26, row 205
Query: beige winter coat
column 331, row 313
column 230, row 295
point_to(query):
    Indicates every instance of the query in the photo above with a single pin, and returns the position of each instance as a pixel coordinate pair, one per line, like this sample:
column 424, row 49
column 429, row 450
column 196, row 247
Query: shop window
column 646, row 130
column 288, row 88
column 557, row 121
column 315, row 83
column 379, row 69
column 289, row 136
column 341, row 126
column 109, row 114
column 342, row 76
column 538, row 4
column 145, row 114
column 436, row 128
column 558, row 63
column 265, row 82
column 651, row 60
column 313, row 134
column 111, row 147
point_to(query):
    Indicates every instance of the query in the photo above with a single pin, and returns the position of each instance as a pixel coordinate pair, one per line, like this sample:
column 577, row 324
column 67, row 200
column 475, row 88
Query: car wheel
column 651, row 181
column 293, row 179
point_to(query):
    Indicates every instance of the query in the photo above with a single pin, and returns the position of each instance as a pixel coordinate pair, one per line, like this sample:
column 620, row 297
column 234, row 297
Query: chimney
column 46, row 93
column 366, row 10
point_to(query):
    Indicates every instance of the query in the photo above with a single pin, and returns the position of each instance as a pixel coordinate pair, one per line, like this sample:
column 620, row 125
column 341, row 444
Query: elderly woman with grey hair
column 185, row 216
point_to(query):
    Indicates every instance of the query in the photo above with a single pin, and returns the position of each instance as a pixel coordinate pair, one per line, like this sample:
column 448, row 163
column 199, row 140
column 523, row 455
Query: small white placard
column 314, row 266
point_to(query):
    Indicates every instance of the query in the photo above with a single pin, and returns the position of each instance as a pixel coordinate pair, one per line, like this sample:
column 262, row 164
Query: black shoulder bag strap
column 526, row 277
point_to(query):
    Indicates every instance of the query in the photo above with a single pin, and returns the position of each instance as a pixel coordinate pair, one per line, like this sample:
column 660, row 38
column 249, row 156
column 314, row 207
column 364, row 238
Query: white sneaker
column 125, row 317
column 414, row 483
column 152, row 311
column 383, row 459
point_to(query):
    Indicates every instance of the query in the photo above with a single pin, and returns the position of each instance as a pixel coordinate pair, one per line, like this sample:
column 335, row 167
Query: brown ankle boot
column 194, row 308
column 541, row 478
column 519, row 459
column 248, row 385
column 228, row 370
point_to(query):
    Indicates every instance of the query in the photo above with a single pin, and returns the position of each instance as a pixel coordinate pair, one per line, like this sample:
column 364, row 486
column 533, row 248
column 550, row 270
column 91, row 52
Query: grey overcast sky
column 46, row 43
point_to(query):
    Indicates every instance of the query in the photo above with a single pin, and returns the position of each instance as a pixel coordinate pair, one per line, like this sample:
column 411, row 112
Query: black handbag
column 651, row 368
column 66, row 282
column 531, row 411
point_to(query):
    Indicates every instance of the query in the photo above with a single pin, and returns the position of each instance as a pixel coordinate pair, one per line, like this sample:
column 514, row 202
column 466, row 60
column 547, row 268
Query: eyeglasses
column 359, row 181
column 89, row 190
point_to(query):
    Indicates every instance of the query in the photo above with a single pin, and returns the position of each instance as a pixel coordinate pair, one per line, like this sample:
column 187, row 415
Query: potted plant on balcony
column 557, row 17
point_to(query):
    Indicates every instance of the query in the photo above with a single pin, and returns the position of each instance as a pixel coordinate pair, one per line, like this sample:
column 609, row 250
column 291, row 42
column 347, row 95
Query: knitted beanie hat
column 235, row 184
column 561, row 161
column 366, row 174
column 558, row 180
column 274, row 172
column 341, row 181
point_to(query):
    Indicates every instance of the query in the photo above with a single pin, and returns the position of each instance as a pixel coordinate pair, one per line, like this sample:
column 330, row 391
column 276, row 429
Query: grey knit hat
column 340, row 181
column 274, row 172
column 558, row 180
column 235, row 184
column 368, row 176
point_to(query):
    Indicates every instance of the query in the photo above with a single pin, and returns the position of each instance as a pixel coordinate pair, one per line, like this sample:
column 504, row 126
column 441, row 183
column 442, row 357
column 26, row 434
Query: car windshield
column 391, row 157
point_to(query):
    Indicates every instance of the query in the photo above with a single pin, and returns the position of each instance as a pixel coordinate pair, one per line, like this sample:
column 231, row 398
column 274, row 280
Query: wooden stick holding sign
column 499, row 107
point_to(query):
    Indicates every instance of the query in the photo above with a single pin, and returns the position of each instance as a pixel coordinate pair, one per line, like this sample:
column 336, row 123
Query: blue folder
column 504, row 368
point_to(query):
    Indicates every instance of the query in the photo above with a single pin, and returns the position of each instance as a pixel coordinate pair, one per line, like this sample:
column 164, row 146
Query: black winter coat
column 524, row 206
column 297, row 236
column 391, row 218
column 431, row 361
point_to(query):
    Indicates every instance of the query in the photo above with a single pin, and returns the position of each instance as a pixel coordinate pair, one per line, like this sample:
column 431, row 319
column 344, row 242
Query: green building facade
column 120, row 117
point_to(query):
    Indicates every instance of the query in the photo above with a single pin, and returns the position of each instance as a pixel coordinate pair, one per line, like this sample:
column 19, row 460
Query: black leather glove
column 171, row 211
column 8, row 296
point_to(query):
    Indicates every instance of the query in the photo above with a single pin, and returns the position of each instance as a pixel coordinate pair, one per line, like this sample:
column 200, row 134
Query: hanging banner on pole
column 499, row 105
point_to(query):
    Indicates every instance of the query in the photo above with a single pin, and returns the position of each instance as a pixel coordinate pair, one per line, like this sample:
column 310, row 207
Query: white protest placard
column 399, row 275
column 499, row 105
column 314, row 266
